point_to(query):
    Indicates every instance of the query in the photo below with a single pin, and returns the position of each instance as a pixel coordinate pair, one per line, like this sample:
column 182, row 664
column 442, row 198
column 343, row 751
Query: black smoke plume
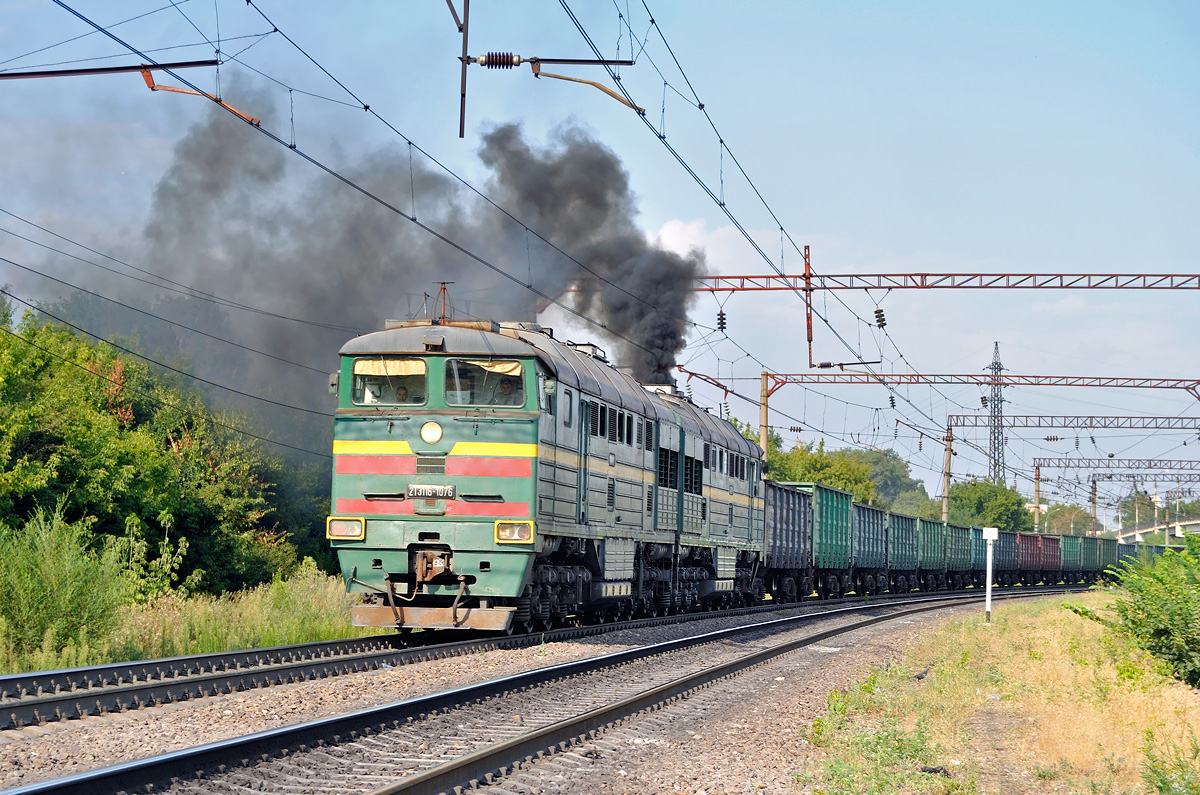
column 237, row 215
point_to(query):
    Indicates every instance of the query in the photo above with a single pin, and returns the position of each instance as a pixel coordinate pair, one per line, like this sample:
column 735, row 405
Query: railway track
column 446, row 740
column 46, row 696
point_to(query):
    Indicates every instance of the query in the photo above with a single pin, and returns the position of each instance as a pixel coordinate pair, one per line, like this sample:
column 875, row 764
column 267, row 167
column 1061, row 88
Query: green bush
column 1159, row 606
column 59, row 590
column 1172, row 769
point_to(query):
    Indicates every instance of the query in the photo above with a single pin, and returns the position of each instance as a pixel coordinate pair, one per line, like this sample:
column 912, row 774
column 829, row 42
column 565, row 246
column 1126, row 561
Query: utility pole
column 946, row 477
column 763, row 428
column 1037, row 496
column 996, row 429
column 1093, row 507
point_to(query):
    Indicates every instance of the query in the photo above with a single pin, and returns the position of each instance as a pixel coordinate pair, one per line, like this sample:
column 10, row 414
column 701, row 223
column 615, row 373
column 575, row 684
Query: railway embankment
column 1041, row 700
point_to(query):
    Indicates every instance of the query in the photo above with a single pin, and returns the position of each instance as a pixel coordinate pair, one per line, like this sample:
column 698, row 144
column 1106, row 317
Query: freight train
column 489, row 476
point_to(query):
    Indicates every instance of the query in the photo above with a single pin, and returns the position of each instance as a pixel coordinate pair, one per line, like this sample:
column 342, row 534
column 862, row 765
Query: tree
column 1137, row 509
column 1067, row 520
column 809, row 463
column 980, row 503
column 919, row 504
column 103, row 440
column 889, row 472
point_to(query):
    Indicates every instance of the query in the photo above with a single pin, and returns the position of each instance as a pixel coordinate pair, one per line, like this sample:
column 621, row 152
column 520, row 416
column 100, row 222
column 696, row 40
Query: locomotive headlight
column 431, row 433
column 514, row 532
column 339, row 529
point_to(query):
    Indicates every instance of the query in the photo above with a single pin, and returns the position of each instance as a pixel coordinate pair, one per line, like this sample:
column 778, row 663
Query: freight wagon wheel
column 789, row 589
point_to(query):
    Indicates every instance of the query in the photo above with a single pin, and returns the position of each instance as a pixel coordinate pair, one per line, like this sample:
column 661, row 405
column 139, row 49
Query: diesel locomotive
column 489, row 476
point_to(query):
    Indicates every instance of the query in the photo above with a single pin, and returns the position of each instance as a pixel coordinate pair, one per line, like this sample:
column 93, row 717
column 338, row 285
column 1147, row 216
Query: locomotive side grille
column 431, row 465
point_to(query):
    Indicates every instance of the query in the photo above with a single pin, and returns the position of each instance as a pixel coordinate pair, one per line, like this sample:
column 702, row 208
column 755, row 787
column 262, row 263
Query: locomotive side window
column 484, row 382
column 389, row 381
column 568, row 406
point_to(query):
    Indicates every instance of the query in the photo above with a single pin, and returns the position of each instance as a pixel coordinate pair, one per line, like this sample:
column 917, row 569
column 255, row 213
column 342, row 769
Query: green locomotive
column 488, row 476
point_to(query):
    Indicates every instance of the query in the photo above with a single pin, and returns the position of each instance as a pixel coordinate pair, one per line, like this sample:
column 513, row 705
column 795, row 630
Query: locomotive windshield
column 488, row 382
column 389, row 381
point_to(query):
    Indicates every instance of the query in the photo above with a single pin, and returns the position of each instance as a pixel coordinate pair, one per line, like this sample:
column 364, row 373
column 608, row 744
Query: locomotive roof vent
column 663, row 389
column 589, row 349
column 522, row 325
column 478, row 325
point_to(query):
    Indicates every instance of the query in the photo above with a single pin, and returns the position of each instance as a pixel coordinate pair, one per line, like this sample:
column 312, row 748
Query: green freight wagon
column 1108, row 554
column 869, row 548
column 1089, row 558
column 958, row 555
column 978, row 557
column 831, row 541
column 902, row 552
column 1072, row 559
column 931, row 554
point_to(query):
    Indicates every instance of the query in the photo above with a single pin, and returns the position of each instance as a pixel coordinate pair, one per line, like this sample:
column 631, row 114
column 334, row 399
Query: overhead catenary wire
column 155, row 362
column 723, row 206
column 168, row 284
column 161, row 402
column 146, row 313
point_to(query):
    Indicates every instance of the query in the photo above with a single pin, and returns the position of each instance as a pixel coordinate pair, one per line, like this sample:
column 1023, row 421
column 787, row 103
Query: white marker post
column 990, row 534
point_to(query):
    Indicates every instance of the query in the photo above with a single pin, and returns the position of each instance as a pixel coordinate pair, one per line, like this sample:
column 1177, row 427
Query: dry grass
column 1041, row 700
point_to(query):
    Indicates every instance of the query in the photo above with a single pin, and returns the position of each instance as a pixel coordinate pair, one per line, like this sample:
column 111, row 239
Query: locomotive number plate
column 424, row 491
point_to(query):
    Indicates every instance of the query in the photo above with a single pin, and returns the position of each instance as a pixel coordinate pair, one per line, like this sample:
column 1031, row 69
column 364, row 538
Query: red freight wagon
column 1051, row 558
column 1028, row 554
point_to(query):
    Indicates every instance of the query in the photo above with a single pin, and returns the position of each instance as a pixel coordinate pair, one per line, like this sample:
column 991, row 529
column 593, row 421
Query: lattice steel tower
column 996, row 429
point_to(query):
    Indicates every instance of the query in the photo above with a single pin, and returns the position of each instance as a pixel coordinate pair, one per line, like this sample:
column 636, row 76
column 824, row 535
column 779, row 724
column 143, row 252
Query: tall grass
column 308, row 606
column 61, row 597
column 66, row 604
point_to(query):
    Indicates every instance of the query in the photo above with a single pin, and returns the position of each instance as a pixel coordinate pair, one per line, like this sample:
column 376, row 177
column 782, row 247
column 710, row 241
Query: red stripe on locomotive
column 489, row 467
column 375, row 465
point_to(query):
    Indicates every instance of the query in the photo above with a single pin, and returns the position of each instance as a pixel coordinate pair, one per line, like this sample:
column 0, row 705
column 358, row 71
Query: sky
column 888, row 137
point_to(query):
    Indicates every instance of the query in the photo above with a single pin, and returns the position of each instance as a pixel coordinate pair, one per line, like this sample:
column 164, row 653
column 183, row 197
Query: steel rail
column 158, row 772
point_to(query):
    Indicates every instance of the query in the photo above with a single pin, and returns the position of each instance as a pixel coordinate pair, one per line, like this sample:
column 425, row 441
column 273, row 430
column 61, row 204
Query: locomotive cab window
column 389, row 381
column 484, row 382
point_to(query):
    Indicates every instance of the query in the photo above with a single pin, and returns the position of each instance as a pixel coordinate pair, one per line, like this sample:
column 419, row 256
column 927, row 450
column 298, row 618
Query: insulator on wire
column 892, row 400
column 920, row 443
column 1053, row 438
column 983, row 401
column 1076, row 442
column 1093, row 438
column 499, row 60
column 720, row 320
column 795, row 429
column 879, row 319
column 896, row 432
